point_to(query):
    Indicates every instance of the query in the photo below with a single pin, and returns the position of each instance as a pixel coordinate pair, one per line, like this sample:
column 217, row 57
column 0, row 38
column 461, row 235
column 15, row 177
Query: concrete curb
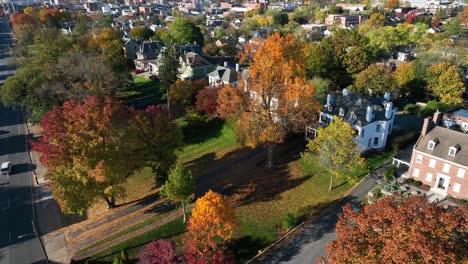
column 36, row 181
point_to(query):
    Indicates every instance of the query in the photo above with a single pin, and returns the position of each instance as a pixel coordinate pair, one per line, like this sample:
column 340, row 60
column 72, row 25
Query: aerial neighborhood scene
column 241, row 131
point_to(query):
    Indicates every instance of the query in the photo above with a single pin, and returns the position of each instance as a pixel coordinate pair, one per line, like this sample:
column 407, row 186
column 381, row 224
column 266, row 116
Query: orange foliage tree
column 211, row 225
column 400, row 230
column 22, row 19
column 281, row 100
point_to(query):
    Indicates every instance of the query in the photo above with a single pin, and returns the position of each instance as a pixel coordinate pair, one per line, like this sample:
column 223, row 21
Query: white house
column 371, row 117
column 223, row 75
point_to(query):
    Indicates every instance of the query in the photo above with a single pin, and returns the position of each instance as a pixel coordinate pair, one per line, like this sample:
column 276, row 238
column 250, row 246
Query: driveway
column 310, row 242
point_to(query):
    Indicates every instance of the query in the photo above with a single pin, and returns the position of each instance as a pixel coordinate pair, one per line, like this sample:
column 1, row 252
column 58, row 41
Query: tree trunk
column 185, row 212
column 110, row 201
column 270, row 147
column 331, row 182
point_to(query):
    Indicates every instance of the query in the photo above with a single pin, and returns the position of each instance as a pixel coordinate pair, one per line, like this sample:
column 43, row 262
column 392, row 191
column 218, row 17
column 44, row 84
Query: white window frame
column 429, row 177
column 416, row 172
column 419, row 158
column 432, row 163
column 456, row 187
column 342, row 112
column 461, row 173
column 446, row 168
column 431, row 144
column 452, row 151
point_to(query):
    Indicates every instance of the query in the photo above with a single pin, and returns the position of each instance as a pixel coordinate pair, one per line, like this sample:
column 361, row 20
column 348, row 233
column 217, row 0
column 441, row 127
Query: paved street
column 16, row 196
column 311, row 241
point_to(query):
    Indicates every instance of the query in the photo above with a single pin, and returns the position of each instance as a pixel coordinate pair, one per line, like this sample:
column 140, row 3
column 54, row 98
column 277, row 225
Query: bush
column 290, row 221
column 390, row 172
column 432, row 107
column 412, row 109
column 413, row 182
column 377, row 193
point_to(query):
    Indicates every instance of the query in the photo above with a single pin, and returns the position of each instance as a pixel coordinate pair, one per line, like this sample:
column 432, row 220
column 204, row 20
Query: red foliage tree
column 158, row 252
column 45, row 13
column 207, row 100
column 400, row 230
column 22, row 19
column 410, row 17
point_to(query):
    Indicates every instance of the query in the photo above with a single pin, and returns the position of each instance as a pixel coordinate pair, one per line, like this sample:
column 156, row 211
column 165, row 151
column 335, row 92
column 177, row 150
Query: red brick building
column 440, row 159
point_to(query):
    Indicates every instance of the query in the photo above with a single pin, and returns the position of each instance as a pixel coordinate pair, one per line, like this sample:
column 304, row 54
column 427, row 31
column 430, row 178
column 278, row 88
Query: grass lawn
column 261, row 221
column 133, row 246
column 143, row 87
column 212, row 137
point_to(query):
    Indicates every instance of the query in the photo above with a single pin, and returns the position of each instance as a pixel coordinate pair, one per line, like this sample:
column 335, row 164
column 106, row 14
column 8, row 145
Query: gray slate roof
column 226, row 74
column 357, row 104
column 447, row 138
column 151, row 46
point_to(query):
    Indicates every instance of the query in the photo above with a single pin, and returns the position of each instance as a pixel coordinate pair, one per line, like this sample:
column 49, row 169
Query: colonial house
column 147, row 52
column 223, row 75
column 345, row 20
column 130, row 48
column 194, row 66
column 440, row 159
column 371, row 117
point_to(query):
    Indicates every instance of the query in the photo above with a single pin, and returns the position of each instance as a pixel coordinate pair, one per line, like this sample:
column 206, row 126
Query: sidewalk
column 48, row 213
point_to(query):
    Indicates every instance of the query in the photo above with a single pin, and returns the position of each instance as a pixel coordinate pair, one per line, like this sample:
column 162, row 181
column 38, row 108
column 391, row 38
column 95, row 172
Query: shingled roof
column 446, row 138
column 226, row 74
column 355, row 107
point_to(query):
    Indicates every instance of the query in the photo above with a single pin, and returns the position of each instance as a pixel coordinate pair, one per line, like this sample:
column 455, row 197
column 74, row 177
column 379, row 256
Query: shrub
column 377, row 193
column 432, row 107
column 159, row 251
column 413, row 182
column 412, row 109
column 290, row 221
column 390, row 172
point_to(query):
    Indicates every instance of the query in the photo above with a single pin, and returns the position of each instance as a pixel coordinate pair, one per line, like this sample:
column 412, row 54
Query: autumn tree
column 392, row 4
column 405, row 75
column 206, row 100
column 211, row 225
column 232, row 102
column 445, row 82
column 400, row 230
column 161, row 139
column 281, row 100
column 376, row 80
column 336, row 148
column 464, row 16
column 89, row 149
column 23, row 19
column 375, row 21
column 141, row 33
column 181, row 92
column 180, row 187
column 158, row 252
column 184, row 31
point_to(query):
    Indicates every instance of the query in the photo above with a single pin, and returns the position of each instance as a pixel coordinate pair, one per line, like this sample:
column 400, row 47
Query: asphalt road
column 16, row 196
column 311, row 241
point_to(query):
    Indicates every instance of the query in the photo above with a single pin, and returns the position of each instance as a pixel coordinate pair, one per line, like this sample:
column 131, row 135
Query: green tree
column 376, row 80
column 445, row 82
column 453, row 27
column 280, row 19
column 337, row 149
column 184, row 31
column 169, row 68
column 180, row 187
column 141, row 32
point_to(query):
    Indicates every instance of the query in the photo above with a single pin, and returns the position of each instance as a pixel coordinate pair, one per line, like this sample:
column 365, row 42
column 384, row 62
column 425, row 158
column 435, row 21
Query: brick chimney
column 437, row 118
column 427, row 126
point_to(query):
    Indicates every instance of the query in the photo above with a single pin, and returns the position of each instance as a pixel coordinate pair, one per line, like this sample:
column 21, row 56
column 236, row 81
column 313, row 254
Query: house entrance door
column 442, row 183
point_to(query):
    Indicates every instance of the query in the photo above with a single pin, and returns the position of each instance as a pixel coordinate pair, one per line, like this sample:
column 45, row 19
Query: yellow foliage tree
column 404, row 75
column 445, row 82
column 211, row 225
column 337, row 149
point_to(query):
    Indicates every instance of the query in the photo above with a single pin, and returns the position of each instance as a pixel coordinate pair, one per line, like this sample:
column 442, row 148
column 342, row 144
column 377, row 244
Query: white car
column 5, row 168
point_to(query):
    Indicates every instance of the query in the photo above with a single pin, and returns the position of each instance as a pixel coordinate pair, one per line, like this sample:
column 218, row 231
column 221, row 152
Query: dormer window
column 341, row 112
column 453, row 150
column 353, row 116
column 432, row 143
column 330, row 108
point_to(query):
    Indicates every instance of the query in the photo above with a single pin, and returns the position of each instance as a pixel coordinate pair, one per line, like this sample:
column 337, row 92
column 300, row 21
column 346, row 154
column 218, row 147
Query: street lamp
column 40, row 240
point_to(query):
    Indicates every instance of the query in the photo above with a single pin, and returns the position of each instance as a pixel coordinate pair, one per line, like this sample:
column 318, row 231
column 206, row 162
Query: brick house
column 440, row 159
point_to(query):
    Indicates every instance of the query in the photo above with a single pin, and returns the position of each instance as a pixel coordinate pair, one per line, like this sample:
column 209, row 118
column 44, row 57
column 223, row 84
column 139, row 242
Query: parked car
column 5, row 168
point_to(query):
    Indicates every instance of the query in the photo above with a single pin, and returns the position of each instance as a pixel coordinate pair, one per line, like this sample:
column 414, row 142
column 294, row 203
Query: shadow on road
column 16, row 144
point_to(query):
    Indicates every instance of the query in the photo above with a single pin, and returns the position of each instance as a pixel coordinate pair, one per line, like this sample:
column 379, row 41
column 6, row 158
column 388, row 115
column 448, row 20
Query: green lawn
column 143, row 87
column 212, row 137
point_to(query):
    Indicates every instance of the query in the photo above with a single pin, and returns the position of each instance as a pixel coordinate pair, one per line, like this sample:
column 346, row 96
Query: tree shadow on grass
column 199, row 132
column 246, row 247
